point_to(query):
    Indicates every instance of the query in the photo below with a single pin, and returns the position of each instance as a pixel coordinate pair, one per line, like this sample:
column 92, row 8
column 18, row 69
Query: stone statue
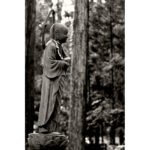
column 55, row 64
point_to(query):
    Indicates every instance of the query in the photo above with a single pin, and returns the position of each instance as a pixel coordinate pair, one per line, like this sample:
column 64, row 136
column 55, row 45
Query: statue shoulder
column 51, row 45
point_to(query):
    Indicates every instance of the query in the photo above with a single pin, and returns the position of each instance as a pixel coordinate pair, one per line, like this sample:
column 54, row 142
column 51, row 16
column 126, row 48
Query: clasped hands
column 67, row 60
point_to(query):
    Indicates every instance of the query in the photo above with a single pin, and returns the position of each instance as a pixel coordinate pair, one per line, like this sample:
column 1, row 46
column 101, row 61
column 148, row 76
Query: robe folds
column 54, row 71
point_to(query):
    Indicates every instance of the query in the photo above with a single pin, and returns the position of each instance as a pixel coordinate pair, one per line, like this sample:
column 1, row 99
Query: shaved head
column 59, row 32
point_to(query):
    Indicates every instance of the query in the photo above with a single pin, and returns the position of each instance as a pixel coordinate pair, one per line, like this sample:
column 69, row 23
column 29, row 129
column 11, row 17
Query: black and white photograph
column 74, row 74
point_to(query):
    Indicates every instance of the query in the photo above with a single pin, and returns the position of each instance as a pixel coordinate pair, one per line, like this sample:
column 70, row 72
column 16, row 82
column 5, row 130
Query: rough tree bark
column 29, row 64
column 79, row 76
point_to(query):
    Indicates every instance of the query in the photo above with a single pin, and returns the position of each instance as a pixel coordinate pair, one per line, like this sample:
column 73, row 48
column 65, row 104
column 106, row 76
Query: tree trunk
column 79, row 77
column 29, row 66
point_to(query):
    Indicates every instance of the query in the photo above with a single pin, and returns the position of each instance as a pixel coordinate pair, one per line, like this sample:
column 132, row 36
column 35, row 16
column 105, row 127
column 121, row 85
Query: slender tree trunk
column 112, row 51
column 79, row 77
column 29, row 71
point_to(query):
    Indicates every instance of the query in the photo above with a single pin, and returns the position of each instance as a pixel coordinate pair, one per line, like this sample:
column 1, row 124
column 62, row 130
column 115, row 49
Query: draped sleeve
column 53, row 65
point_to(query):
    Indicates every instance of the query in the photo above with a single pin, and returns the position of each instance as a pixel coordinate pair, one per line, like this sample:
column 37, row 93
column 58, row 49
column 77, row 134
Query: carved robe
column 54, row 71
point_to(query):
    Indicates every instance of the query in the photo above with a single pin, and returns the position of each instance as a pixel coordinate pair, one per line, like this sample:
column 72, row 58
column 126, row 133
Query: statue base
column 49, row 141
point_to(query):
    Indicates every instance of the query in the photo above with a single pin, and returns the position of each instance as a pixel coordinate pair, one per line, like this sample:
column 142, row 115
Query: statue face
column 62, row 38
column 59, row 32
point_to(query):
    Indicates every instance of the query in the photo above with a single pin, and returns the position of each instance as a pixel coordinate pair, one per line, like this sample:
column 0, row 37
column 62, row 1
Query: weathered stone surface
column 51, row 141
column 114, row 147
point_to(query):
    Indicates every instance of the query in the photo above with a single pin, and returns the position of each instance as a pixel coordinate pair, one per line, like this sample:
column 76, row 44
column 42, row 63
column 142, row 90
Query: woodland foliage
column 106, row 64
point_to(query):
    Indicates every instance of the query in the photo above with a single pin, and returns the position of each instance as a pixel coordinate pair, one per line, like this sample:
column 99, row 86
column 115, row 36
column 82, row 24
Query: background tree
column 79, row 77
column 29, row 74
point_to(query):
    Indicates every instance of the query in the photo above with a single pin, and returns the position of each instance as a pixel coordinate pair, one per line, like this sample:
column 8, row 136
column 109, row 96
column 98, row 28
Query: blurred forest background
column 105, row 107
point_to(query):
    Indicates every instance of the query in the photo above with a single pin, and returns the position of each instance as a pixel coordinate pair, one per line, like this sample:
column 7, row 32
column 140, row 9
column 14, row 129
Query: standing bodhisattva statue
column 55, row 64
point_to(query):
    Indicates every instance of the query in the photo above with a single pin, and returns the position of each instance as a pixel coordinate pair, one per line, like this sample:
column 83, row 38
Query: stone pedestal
column 50, row 141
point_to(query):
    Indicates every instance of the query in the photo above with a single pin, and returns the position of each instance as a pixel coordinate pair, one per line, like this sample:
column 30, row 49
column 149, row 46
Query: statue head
column 59, row 32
